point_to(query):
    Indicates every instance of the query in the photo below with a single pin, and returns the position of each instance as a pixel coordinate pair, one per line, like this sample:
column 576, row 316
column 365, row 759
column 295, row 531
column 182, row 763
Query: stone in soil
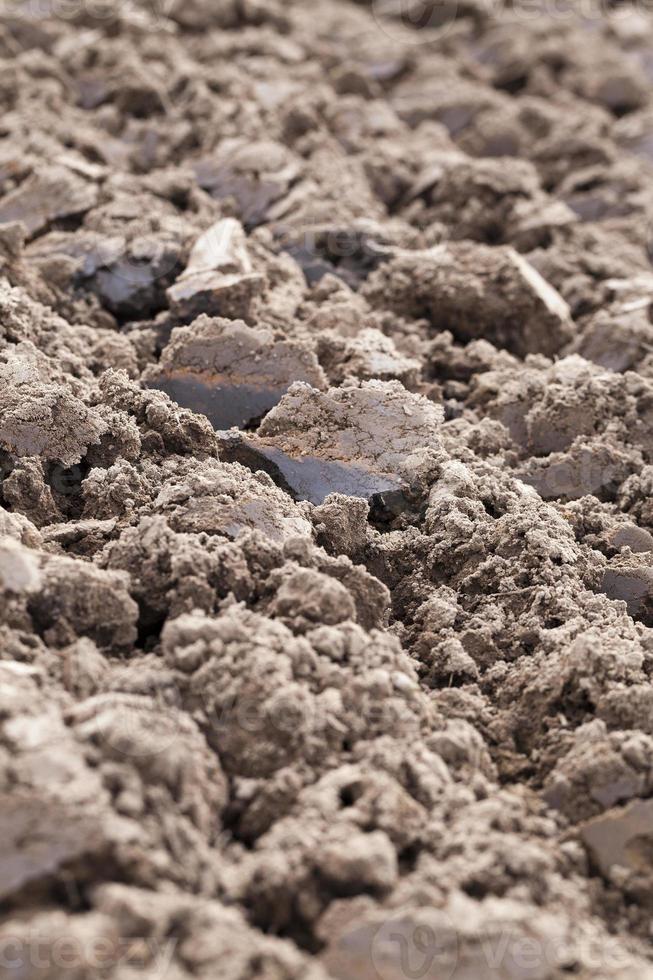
column 219, row 278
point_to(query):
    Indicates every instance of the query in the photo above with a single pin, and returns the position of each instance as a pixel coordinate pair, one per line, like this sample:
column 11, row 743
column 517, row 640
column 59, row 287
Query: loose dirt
column 326, row 481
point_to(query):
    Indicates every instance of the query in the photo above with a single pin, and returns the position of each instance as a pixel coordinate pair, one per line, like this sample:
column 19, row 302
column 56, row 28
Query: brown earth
column 326, row 480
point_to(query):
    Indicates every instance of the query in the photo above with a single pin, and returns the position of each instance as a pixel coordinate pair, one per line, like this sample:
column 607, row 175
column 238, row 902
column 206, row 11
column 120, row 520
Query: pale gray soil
column 326, row 486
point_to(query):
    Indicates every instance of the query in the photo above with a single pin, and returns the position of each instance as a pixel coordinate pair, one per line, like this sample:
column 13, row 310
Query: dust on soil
column 326, row 469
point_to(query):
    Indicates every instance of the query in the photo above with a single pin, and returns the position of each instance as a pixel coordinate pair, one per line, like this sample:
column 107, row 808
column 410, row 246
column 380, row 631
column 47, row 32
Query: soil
column 326, row 482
